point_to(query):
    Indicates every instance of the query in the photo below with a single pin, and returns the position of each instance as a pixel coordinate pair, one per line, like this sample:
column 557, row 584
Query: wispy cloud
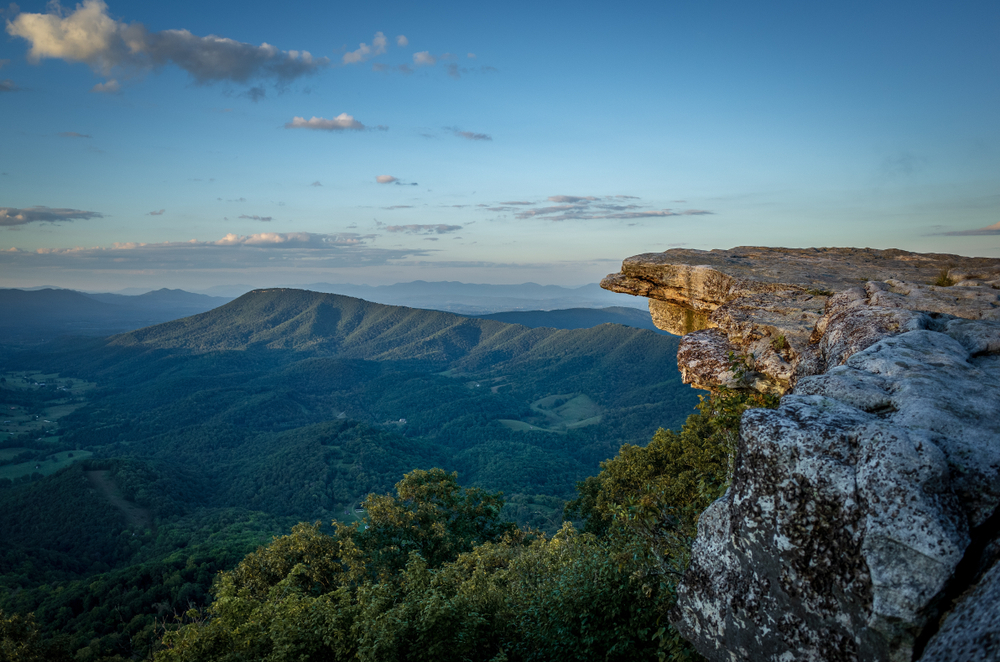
column 902, row 163
column 255, row 217
column 73, row 134
column 389, row 179
column 292, row 250
column 255, row 93
column 156, row 213
column 468, row 135
column 988, row 230
column 423, row 229
column 399, row 68
column 107, row 87
column 7, row 85
column 11, row 216
column 571, row 198
column 88, row 34
column 589, row 207
column 364, row 51
column 399, row 207
column 316, row 183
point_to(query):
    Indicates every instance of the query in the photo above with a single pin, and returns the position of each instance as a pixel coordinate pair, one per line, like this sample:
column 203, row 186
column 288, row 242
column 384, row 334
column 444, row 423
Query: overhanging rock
column 864, row 508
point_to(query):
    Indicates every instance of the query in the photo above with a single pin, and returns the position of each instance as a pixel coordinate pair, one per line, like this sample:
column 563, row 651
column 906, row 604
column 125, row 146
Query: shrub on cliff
column 658, row 491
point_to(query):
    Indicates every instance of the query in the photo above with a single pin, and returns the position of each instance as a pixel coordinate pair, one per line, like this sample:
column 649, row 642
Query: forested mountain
column 188, row 443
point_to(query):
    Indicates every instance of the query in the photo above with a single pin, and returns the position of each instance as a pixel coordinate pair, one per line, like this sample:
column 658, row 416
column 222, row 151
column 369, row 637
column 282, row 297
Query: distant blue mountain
column 576, row 318
column 479, row 299
column 32, row 316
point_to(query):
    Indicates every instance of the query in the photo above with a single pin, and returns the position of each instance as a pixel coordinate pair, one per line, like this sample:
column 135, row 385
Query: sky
column 183, row 144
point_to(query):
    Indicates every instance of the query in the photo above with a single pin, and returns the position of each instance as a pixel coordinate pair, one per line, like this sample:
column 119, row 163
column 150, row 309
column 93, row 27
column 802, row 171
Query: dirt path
column 135, row 515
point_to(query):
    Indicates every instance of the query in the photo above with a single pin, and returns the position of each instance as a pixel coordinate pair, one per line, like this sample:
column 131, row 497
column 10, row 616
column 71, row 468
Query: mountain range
column 465, row 298
column 134, row 467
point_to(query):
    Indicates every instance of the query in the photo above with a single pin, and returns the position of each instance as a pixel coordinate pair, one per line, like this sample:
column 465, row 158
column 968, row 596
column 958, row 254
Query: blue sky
column 196, row 144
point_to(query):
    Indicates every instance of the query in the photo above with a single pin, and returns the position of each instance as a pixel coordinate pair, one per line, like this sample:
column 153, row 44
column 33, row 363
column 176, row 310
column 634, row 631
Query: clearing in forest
column 559, row 413
column 135, row 515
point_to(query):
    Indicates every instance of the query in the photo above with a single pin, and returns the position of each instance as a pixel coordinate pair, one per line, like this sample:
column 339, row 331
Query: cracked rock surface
column 859, row 511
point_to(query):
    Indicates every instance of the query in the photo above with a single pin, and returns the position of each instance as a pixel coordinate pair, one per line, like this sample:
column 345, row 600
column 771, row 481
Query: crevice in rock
column 968, row 572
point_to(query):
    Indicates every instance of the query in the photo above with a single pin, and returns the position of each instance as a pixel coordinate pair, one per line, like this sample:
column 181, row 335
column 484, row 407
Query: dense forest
column 135, row 468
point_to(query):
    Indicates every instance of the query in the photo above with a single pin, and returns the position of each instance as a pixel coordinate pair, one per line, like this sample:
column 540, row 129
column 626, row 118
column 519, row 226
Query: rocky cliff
column 862, row 519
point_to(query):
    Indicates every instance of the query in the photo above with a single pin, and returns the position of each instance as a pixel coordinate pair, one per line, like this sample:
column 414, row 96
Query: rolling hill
column 289, row 405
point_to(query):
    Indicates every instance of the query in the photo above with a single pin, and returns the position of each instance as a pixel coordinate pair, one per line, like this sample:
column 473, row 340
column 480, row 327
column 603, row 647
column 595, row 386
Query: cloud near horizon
column 89, row 35
column 255, row 217
column 290, row 250
column 988, row 230
column 11, row 216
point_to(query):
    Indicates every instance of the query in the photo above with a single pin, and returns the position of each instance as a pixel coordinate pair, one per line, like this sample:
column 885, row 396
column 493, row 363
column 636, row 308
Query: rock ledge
column 862, row 519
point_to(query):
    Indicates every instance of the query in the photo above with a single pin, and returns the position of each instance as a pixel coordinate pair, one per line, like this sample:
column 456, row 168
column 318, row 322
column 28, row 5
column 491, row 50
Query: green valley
column 182, row 446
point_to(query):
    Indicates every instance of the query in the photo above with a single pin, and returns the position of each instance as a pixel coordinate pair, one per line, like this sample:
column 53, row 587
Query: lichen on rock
column 854, row 504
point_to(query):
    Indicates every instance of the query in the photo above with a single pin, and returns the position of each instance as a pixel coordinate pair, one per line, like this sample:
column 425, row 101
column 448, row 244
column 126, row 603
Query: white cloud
column 401, row 40
column 386, row 179
column 88, row 34
column 107, row 87
column 11, row 216
column 471, row 56
column 365, row 51
column 424, row 58
column 342, row 122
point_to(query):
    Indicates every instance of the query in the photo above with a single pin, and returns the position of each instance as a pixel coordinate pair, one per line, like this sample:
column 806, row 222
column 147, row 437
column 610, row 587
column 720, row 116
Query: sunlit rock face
column 862, row 520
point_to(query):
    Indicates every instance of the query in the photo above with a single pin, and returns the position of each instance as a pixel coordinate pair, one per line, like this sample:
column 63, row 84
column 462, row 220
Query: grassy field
column 16, row 419
column 43, row 467
column 558, row 413
column 34, row 380
column 10, row 453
